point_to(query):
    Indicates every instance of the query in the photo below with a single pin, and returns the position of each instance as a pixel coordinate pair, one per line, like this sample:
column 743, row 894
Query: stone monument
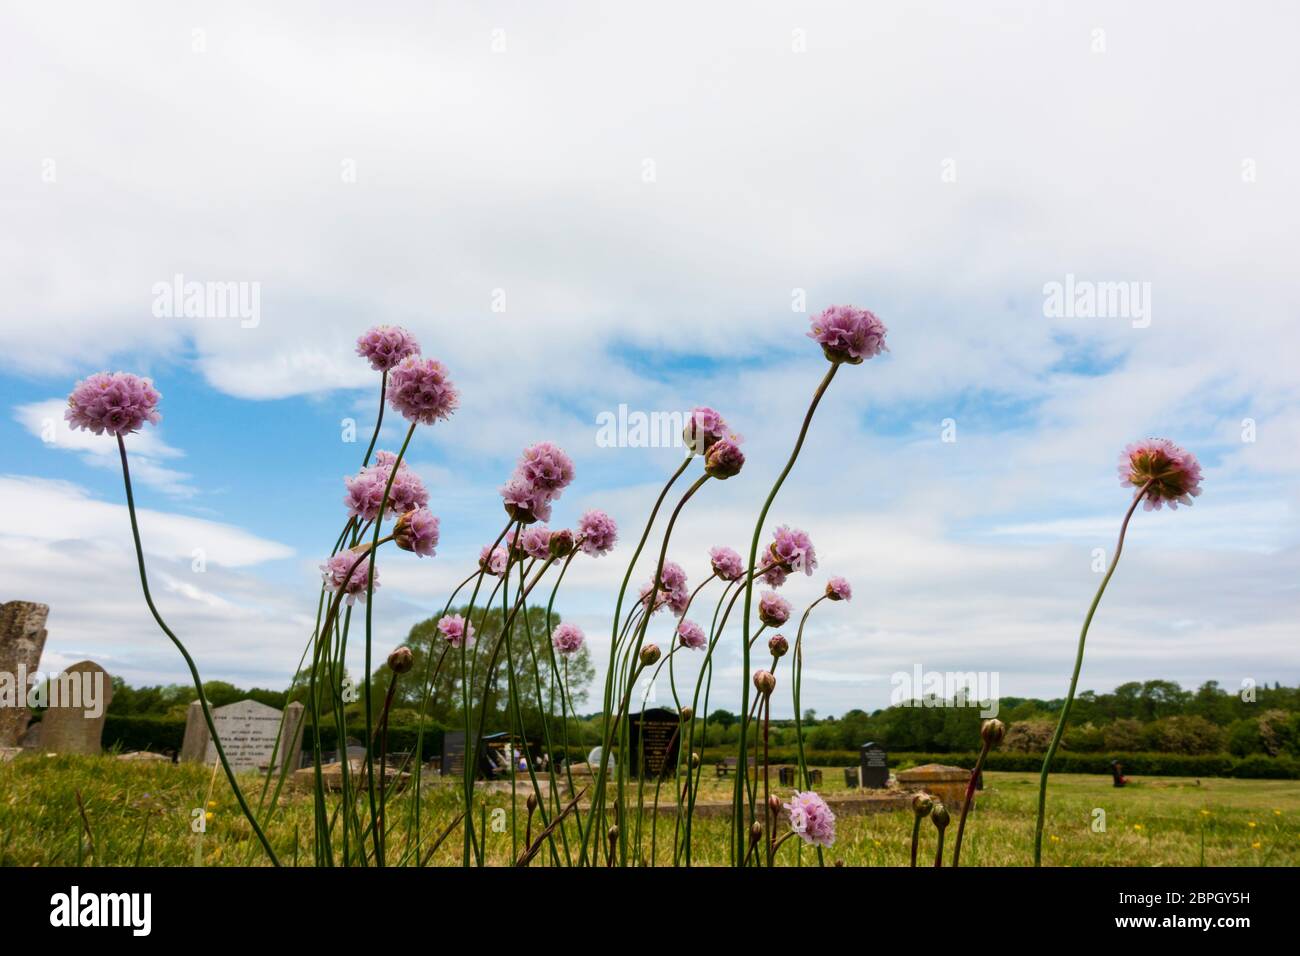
column 22, row 638
column 78, row 702
column 254, row 735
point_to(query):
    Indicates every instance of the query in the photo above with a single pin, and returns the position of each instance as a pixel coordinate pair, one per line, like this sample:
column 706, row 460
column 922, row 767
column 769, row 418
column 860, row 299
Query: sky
column 587, row 206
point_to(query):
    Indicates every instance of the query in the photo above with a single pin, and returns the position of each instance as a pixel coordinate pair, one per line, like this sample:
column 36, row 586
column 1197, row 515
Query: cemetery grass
column 142, row 813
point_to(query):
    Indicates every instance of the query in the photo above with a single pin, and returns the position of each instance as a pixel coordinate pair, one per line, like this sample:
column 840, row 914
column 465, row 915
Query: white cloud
column 45, row 421
column 59, row 512
column 775, row 170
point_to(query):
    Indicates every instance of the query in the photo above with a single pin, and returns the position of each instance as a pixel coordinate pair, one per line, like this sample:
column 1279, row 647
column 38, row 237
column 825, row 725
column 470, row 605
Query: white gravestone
column 248, row 731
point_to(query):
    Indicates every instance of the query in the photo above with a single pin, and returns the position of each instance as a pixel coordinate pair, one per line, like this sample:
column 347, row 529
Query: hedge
column 158, row 734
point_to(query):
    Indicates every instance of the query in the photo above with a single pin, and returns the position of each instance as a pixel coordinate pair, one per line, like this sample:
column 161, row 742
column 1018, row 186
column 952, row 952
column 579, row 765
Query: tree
column 529, row 650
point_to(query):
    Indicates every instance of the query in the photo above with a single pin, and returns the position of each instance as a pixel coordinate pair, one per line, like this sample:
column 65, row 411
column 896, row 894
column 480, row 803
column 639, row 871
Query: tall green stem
column 1074, row 678
column 739, row 823
column 189, row 661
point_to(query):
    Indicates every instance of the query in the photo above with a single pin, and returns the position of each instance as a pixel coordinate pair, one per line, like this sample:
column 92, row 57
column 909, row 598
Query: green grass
column 143, row 813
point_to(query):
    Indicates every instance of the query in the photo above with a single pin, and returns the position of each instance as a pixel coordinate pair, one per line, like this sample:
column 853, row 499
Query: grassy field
column 143, row 813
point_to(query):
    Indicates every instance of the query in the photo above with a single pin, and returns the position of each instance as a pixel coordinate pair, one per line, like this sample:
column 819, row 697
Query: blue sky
column 584, row 208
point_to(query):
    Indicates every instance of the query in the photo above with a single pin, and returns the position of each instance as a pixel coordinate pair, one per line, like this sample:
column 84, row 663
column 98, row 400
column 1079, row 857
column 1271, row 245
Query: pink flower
column 567, row 639
column 597, row 532
column 524, row 501
column 848, row 335
column 366, row 489
column 458, row 631
column 421, row 390
column 493, row 560
column 536, row 541
column 724, row 460
column 1174, row 472
column 773, row 610
column 417, row 531
column 727, row 564
column 793, row 549
column 114, row 402
column 672, row 576
column 837, row 589
column 546, row 467
column 337, row 577
column 704, row 427
column 386, row 345
column 690, row 634
column 811, row 818
column 774, row 573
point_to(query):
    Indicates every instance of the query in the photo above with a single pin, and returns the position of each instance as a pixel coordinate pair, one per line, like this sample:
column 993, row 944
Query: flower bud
column 724, row 459
column 649, row 654
column 695, row 760
column 778, row 645
column 531, row 803
column 765, row 682
column 922, row 804
column 401, row 660
column 992, row 732
column 939, row 815
column 561, row 544
column 687, row 714
column 774, row 804
column 755, row 832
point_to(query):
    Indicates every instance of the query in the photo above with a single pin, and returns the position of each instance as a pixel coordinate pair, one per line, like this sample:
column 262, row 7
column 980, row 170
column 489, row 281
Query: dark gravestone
column 453, row 754
column 874, row 763
column 654, row 738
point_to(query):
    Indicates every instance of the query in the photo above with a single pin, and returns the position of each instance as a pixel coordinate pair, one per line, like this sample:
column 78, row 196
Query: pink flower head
column 458, row 631
column 811, row 818
column 337, row 577
column 1174, row 472
column 704, row 427
column 493, row 560
column 691, row 635
column 536, row 541
column 114, row 402
column 793, row 549
column 773, row 610
column 672, row 576
column 417, row 531
column 524, row 501
column 567, row 639
column 848, row 335
column 727, row 564
column 366, row 489
column 386, row 345
column 724, row 459
column 774, row 572
column 837, row 589
column 546, row 467
column 420, row 389
column 597, row 532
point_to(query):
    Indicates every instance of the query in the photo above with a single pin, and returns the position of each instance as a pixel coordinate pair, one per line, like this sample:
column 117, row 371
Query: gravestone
column 22, row 638
column 452, row 763
column 253, row 735
column 874, row 764
column 654, row 738
column 77, row 702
